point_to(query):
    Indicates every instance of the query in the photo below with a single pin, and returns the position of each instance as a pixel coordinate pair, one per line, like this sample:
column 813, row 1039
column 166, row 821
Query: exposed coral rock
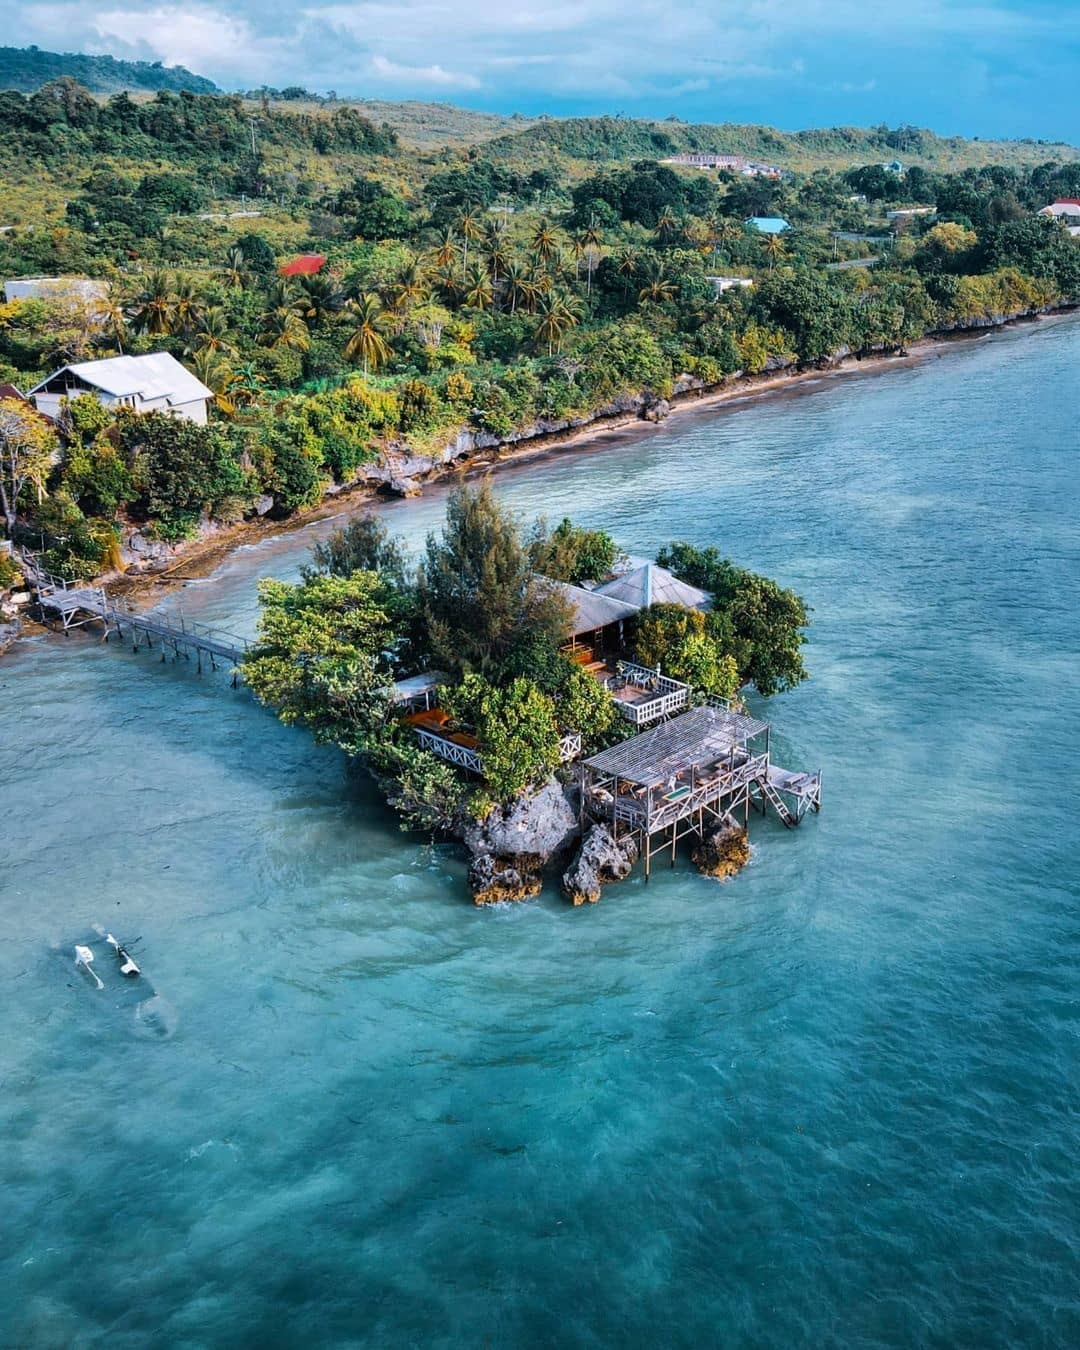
column 263, row 504
column 493, row 880
column 724, row 852
column 600, row 860
column 656, row 409
column 536, row 827
column 8, row 634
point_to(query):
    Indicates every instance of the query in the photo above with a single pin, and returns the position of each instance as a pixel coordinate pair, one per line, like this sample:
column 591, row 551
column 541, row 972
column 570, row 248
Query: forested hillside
column 28, row 68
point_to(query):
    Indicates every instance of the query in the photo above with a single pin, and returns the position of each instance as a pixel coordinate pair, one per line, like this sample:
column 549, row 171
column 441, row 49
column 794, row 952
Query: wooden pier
column 76, row 606
column 690, row 774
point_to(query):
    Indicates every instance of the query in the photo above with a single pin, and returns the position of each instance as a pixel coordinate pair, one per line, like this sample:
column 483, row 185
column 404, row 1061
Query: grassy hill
column 28, row 68
column 615, row 139
column 425, row 126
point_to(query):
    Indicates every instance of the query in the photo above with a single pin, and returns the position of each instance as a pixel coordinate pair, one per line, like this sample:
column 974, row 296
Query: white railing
column 671, row 695
column 465, row 757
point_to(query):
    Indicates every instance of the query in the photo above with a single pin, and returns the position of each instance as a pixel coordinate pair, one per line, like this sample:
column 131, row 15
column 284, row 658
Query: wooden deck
column 77, row 606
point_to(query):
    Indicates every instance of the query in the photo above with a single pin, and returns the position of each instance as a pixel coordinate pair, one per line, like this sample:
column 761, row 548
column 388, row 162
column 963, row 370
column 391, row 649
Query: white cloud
column 420, row 76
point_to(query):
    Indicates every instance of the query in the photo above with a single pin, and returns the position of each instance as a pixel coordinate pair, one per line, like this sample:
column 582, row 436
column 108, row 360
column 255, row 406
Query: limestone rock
column 263, row 504
column 493, row 880
column 536, row 828
column 8, row 634
column 656, row 409
column 405, row 487
column 601, row 859
column 725, row 852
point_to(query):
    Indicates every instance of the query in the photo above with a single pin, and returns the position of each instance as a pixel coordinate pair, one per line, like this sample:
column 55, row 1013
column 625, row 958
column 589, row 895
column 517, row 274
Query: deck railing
column 671, row 695
column 465, row 757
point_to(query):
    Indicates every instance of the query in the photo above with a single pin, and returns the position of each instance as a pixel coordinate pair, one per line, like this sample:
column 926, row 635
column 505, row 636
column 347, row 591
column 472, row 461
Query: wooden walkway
column 76, row 606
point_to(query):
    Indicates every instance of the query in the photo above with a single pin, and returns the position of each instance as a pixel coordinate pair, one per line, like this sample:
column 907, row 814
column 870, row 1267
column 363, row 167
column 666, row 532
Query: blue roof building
column 767, row 224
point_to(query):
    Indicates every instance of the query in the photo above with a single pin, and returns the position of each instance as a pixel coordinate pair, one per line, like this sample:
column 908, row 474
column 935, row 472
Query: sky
column 968, row 67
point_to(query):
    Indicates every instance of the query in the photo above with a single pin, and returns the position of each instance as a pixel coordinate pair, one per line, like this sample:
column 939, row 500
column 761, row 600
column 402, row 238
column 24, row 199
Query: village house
column 1067, row 210
column 156, row 382
column 731, row 163
column 81, row 290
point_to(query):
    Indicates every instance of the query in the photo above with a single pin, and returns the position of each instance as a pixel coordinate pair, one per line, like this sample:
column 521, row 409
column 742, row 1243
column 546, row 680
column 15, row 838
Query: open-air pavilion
column 684, row 775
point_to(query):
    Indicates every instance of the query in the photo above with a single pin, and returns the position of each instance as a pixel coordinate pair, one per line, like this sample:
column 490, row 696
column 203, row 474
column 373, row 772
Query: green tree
column 516, row 731
column 678, row 640
column 572, row 553
column 363, row 545
column 318, row 659
column 367, row 344
column 476, row 586
column 27, row 448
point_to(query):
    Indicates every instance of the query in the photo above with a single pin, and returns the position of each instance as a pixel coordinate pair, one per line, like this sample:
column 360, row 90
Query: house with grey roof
column 156, row 382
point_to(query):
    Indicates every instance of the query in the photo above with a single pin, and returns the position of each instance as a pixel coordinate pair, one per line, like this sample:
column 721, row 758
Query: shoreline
column 198, row 558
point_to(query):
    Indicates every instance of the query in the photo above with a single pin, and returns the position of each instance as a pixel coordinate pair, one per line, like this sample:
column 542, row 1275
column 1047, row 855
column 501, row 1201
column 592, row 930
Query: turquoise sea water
column 833, row 1102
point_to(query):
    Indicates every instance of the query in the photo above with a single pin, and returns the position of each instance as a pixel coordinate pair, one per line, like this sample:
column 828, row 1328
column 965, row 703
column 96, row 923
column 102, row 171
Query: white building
column 1067, row 210
column 153, row 383
column 722, row 284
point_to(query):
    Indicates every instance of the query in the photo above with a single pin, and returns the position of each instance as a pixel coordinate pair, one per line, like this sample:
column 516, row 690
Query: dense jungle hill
column 28, row 68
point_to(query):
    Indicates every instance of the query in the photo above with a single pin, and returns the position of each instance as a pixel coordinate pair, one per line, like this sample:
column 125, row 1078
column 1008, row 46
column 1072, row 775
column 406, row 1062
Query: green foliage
column 28, row 68
column 686, row 646
column 476, row 587
column 318, row 658
column 572, row 553
column 183, row 470
column 516, row 729
column 363, row 545
column 427, row 792
column 766, row 621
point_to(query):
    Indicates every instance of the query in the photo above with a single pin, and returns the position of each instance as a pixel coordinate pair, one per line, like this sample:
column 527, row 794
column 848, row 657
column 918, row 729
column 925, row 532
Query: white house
column 153, row 383
column 1067, row 210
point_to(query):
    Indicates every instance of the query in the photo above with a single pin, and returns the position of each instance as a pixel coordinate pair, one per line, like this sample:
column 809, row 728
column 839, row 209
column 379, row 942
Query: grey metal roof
column 698, row 737
column 403, row 690
column 589, row 609
column 653, row 585
column 154, row 376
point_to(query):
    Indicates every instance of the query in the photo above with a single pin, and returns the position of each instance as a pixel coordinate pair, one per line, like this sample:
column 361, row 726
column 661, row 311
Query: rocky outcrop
column 493, row 880
column 9, row 632
column 724, row 852
column 538, row 828
column 601, row 859
column 656, row 409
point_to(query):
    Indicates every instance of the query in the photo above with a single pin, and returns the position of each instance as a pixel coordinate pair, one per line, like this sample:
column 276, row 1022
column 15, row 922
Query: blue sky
column 971, row 67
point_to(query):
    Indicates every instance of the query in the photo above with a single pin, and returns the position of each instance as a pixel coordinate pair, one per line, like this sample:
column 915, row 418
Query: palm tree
column 629, row 261
column 545, row 242
column 409, row 287
column 558, row 313
column 282, row 324
column 367, row 343
column 587, row 245
column 317, row 297
column 774, row 249
column 445, row 250
column 212, row 333
column 657, row 286
column 111, row 318
column 521, row 287
column 498, row 253
column 153, row 309
column 187, row 305
column 667, row 227
column 479, row 292
column 237, row 275
column 469, row 227
column 219, row 377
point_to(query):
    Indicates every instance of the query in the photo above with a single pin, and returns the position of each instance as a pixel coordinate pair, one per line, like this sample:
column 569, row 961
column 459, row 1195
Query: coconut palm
column 282, row 324
column 478, row 292
column 215, row 372
column 408, row 287
column 469, row 227
column 316, row 298
column 545, row 240
column 774, row 249
column 237, row 273
column 187, row 305
column 557, row 312
column 153, row 308
column 657, row 286
column 111, row 320
column 367, row 343
column 667, row 227
column 498, row 250
column 212, row 333
column 522, row 287
column 445, row 253
column 628, row 262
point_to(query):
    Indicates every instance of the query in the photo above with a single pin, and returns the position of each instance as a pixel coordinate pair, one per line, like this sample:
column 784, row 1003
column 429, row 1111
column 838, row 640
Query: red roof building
column 307, row 265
